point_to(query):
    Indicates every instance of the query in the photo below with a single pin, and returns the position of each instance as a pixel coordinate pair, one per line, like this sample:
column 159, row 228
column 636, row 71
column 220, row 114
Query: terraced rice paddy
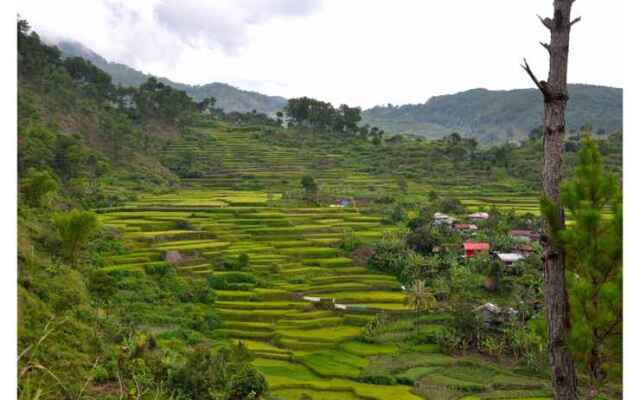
column 290, row 259
column 248, row 163
column 300, row 303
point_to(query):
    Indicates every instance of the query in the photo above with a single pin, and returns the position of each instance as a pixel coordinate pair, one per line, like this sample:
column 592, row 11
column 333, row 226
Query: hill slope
column 229, row 98
column 492, row 116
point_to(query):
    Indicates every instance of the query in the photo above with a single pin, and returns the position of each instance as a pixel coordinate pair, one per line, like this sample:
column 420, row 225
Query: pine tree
column 593, row 248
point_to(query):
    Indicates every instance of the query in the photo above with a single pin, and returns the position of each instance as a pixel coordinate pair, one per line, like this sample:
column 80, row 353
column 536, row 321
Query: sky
column 359, row 52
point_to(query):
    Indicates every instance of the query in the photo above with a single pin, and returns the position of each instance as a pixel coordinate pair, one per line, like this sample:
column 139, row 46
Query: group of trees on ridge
column 323, row 116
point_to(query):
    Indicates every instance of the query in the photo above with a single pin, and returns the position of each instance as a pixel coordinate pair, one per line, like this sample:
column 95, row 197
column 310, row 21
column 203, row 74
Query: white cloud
column 357, row 52
column 224, row 24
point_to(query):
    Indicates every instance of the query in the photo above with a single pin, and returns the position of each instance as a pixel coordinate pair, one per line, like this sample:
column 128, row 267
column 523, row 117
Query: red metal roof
column 476, row 246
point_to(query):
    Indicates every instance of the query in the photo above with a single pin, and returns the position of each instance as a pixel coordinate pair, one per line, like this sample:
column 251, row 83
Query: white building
column 509, row 258
column 479, row 216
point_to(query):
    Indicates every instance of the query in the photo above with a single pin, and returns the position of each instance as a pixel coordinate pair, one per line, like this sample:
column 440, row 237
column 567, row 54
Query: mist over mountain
column 228, row 97
column 498, row 115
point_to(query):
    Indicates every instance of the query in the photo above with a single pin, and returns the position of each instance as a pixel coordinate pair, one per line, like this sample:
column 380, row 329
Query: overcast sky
column 360, row 52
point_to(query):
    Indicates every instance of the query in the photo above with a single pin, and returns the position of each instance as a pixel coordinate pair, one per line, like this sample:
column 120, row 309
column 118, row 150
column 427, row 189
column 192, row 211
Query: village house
column 479, row 216
column 472, row 248
column 509, row 258
column 440, row 218
column 525, row 235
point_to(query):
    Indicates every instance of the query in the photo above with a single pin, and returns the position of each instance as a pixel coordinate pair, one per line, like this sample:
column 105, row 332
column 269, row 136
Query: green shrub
column 38, row 187
column 102, row 285
column 248, row 383
column 242, row 261
column 388, row 256
column 75, row 228
column 309, row 185
column 101, row 374
column 423, row 240
column 205, row 322
column 228, row 279
column 66, row 290
column 397, row 215
column 378, row 379
column 184, row 224
column 223, row 374
column 202, row 293
column 218, row 283
column 405, row 380
column 158, row 269
column 349, row 241
column 451, row 206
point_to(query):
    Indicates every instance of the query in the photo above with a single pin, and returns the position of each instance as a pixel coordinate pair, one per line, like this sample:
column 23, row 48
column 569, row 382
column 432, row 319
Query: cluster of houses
column 472, row 248
column 491, row 313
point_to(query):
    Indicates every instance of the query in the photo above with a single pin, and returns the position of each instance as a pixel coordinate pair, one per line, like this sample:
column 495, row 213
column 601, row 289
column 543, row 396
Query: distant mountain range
column 228, row 98
column 496, row 116
column 488, row 115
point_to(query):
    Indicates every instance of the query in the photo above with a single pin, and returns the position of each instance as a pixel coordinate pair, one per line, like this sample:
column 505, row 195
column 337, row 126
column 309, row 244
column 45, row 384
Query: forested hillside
column 228, row 98
column 497, row 116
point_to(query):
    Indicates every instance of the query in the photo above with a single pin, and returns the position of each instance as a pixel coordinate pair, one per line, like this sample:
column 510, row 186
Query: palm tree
column 420, row 298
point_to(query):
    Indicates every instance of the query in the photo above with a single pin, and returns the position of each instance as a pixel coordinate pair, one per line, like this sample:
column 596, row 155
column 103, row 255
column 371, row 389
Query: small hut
column 472, row 248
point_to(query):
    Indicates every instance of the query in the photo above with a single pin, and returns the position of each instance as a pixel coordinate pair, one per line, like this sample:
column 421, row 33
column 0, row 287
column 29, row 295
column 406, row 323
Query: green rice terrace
column 248, row 159
column 298, row 302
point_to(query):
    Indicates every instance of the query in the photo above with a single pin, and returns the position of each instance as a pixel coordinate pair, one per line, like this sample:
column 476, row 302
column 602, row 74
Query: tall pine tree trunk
column 555, row 96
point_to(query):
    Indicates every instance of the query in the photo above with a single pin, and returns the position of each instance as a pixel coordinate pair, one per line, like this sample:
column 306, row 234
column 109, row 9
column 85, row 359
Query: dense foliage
column 322, row 116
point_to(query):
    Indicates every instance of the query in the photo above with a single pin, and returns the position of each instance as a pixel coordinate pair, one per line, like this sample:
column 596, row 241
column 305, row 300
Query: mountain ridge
column 498, row 115
column 490, row 116
column 228, row 97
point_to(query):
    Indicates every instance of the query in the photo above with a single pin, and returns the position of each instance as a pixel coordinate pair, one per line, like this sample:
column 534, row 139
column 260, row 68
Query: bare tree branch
column 535, row 80
column 546, row 46
column 575, row 21
column 547, row 22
